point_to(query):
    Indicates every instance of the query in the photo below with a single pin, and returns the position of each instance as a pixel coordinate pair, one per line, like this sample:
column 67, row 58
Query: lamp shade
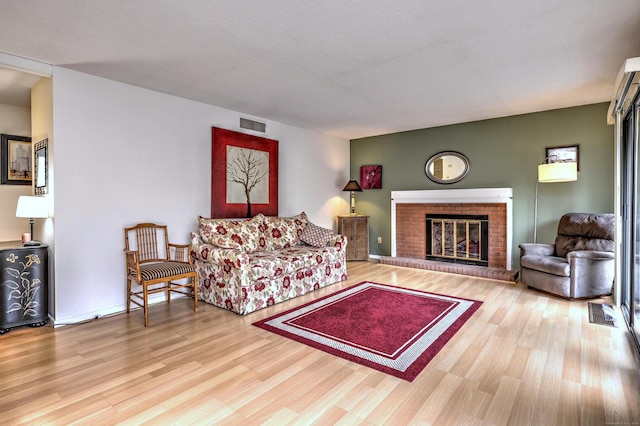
column 352, row 185
column 557, row 172
column 31, row 207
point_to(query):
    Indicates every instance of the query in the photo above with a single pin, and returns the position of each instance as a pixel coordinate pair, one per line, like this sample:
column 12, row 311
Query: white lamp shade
column 557, row 172
column 29, row 206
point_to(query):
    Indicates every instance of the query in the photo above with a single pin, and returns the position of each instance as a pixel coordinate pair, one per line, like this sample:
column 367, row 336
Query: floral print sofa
column 250, row 264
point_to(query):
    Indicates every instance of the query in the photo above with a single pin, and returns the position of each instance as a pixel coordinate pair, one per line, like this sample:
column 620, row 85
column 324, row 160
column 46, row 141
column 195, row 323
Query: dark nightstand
column 24, row 274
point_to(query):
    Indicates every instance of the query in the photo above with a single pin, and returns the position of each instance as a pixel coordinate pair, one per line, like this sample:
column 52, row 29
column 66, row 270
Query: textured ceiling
column 345, row 68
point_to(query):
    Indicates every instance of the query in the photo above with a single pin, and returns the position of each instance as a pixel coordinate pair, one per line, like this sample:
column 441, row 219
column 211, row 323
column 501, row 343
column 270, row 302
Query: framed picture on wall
column 41, row 167
column 15, row 155
column 564, row 154
column 244, row 175
column 371, row 177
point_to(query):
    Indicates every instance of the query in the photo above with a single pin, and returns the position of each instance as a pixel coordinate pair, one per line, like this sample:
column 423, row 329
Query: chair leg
column 194, row 281
column 146, row 304
column 128, row 295
column 168, row 291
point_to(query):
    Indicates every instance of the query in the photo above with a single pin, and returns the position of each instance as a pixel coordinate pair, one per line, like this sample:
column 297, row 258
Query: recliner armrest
column 592, row 272
column 590, row 254
column 537, row 249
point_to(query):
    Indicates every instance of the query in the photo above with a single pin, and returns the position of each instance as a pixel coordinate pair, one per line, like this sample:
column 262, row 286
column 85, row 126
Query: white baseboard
column 114, row 310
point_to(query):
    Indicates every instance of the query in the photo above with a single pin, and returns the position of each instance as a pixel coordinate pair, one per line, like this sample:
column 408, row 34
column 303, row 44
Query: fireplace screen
column 458, row 238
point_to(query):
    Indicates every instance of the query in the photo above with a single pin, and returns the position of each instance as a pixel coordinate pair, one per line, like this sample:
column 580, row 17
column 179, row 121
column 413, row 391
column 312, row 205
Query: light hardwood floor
column 524, row 358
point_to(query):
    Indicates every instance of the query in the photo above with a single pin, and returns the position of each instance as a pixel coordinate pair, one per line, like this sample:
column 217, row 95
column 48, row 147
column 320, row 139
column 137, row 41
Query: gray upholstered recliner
column 579, row 265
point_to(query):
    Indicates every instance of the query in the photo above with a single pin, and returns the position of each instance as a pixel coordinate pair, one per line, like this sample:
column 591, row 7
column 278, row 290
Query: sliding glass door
column 630, row 209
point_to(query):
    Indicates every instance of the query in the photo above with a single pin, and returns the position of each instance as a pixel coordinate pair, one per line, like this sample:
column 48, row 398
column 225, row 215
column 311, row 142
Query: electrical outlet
column 379, row 240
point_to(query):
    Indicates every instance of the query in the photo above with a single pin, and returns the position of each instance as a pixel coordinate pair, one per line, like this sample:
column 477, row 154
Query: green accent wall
column 504, row 153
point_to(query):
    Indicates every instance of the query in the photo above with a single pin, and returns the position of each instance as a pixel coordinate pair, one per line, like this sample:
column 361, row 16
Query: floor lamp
column 552, row 172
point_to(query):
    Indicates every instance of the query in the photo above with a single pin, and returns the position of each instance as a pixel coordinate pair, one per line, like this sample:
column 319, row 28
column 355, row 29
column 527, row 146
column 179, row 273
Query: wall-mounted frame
column 371, row 177
column 15, row 155
column 447, row 167
column 41, row 167
column 244, row 175
column 564, row 154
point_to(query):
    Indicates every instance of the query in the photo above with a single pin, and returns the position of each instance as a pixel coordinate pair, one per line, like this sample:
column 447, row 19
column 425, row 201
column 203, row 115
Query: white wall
column 42, row 128
column 13, row 121
column 125, row 155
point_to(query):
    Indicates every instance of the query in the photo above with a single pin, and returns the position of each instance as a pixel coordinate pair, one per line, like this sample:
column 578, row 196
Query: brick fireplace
column 408, row 225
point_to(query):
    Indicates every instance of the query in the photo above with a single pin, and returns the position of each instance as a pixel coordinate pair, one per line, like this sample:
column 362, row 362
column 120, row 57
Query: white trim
column 26, row 65
column 630, row 65
column 113, row 310
column 463, row 196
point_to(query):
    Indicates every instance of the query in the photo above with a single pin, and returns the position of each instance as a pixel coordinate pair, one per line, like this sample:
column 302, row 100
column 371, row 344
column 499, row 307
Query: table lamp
column 32, row 207
column 353, row 186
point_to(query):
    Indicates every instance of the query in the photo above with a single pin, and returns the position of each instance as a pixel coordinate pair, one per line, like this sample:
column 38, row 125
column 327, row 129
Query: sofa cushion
column 289, row 261
column 315, row 235
column 282, row 232
column 231, row 234
column 269, row 264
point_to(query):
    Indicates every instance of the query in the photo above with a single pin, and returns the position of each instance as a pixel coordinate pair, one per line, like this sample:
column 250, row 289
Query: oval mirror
column 447, row 167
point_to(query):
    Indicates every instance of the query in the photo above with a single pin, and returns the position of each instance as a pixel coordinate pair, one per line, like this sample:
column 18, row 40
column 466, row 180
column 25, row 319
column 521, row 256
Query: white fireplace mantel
column 462, row 196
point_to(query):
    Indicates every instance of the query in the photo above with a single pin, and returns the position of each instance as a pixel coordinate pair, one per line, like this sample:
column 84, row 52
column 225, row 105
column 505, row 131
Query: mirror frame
column 433, row 158
column 40, row 167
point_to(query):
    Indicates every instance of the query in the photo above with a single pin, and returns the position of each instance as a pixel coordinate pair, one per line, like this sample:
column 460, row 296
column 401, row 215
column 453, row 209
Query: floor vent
column 601, row 314
column 245, row 123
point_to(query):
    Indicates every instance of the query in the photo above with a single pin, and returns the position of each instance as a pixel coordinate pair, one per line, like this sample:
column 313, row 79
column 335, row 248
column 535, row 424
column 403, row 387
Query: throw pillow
column 232, row 234
column 282, row 232
column 315, row 235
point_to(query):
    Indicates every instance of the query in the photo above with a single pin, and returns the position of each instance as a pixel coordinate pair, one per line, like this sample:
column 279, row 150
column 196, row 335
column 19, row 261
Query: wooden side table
column 24, row 274
column 356, row 229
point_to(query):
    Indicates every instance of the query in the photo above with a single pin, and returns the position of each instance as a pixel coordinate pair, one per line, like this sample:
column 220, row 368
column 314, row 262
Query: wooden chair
column 155, row 264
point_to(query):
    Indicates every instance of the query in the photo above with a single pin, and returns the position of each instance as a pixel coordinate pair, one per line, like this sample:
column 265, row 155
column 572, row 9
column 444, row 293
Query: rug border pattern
column 409, row 362
column 400, row 362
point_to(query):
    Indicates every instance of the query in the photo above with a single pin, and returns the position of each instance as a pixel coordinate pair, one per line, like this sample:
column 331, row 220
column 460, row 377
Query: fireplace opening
column 458, row 238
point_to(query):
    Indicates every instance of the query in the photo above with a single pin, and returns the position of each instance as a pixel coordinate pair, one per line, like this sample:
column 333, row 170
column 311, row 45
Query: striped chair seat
column 159, row 270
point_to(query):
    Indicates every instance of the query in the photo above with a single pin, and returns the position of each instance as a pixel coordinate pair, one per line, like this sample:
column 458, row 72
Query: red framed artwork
column 244, row 175
column 371, row 177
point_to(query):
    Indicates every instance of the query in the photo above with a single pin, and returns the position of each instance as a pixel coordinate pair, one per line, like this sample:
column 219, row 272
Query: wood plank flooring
column 524, row 358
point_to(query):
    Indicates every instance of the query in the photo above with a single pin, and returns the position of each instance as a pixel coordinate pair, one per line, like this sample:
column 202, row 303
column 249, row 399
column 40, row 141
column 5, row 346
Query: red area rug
column 391, row 329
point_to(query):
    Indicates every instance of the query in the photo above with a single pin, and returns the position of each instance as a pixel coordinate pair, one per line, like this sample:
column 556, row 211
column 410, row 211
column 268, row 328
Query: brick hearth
column 471, row 270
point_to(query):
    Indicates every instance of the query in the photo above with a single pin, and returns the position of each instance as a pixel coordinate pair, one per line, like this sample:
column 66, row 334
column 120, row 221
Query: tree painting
column 244, row 174
column 247, row 176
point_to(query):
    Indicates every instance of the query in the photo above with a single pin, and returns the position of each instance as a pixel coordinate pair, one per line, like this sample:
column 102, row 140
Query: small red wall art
column 371, row 177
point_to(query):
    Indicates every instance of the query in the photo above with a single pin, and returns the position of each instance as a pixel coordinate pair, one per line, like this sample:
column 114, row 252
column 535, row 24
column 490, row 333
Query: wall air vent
column 245, row 123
